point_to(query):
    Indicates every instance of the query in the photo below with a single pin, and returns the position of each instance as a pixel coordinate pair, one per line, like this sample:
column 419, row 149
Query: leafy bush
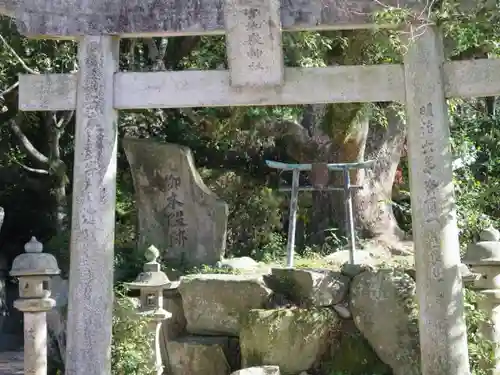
column 480, row 349
column 254, row 220
column 131, row 350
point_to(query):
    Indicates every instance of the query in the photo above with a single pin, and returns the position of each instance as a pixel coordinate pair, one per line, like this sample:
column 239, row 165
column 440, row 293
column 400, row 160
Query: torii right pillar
column 443, row 335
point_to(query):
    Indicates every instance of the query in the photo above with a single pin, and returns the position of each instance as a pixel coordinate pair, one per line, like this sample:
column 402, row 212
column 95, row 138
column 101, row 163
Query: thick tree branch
column 64, row 120
column 29, row 169
column 18, row 58
column 9, row 89
column 26, row 144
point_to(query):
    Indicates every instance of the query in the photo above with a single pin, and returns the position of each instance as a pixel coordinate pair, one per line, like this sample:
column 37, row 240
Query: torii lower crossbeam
column 339, row 84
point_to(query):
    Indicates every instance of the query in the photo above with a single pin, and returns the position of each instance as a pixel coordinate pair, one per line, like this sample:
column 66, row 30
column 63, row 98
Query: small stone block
column 253, row 41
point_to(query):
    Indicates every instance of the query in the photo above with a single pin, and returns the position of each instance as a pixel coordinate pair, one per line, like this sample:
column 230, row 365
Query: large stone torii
column 256, row 77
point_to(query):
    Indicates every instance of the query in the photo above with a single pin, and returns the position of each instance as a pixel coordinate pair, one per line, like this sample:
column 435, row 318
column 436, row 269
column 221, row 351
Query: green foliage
column 59, row 247
column 480, row 349
column 131, row 349
column 476, row 141
column 254, row 215
column 206, row 269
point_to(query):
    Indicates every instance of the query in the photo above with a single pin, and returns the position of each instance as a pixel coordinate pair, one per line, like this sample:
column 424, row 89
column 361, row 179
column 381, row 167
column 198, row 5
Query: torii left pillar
column 90, row 305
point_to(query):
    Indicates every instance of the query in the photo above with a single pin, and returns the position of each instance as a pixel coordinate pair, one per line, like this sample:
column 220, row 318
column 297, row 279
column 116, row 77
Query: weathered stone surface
column 342, row 256
column 258, row 370
column 342, row 310
column 253, row 43
column 239, row 263
column 351, row 270
column 244, row 266
column 73, row 18
column 198, row 355
column 293, row 339
column 175, row 325
column 311, row 287
column 375, row 254
column 434, row 218
column 213, row 303
column 177, row 212
column 383, row 305
column 90, row 311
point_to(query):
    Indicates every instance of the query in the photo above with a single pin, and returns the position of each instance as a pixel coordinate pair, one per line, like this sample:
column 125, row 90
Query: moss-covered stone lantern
column 151, row 283
column 34, row 270
column 484, row 259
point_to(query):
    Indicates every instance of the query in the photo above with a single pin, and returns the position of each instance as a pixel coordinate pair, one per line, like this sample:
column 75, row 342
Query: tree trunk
column 359, row 141
column 57, row 170
column 373, row 206
column 328, row 208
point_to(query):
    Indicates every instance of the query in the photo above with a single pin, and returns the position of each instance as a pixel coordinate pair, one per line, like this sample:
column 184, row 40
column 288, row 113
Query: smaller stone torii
column 320, row 172
column 256, row 76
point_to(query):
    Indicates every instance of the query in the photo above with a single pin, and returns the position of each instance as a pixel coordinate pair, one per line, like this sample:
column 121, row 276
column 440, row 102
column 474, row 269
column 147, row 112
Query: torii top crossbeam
column 71, row 18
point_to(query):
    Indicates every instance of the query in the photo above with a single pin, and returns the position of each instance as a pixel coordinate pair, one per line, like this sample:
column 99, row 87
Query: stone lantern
column 151, row 283
column 484, row 259
column 34, row 270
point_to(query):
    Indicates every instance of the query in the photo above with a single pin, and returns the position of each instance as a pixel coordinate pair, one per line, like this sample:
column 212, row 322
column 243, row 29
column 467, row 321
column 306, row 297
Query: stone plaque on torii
column 256, row 77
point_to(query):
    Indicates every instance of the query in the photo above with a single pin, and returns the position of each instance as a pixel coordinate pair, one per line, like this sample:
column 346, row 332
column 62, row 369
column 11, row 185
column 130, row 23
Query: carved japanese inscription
column 429, row 151
column 177, row 212
column 71, row 18
column 253, row 41
column 174, row 212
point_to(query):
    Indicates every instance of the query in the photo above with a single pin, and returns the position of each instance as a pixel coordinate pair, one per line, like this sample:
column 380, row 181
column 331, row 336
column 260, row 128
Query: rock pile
column 295, row 322
column 270, row 321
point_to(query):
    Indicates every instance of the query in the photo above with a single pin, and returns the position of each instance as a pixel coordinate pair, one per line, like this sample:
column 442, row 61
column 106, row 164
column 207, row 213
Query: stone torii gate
column 256, row 76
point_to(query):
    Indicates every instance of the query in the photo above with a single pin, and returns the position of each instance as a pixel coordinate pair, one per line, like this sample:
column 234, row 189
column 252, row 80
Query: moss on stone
column 289, row 338
column 349, row 353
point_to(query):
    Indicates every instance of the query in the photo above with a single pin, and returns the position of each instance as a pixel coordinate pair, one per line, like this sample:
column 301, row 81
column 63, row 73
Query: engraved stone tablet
column 253, row 40
column 177, row 212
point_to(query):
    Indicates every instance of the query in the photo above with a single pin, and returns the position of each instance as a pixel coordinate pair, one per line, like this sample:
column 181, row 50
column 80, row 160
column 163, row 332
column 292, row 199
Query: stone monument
column 177, row 212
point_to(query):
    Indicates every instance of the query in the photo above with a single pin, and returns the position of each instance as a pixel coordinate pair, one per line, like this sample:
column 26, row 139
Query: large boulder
column 318, row 287
column 213, row 303
column 383, row 305
column 198, row 355
column 293, row 339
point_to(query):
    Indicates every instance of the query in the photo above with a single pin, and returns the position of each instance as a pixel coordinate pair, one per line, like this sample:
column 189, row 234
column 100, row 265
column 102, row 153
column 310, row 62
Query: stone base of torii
column 256, row 76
